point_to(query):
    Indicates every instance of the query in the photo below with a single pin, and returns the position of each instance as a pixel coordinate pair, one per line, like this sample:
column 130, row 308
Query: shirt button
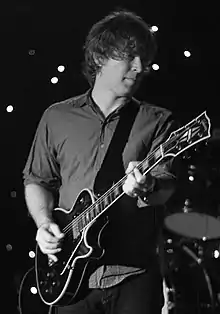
column 102, row 145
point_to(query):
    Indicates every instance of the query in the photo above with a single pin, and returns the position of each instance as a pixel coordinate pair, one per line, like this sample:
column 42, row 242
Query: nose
column 136, row 65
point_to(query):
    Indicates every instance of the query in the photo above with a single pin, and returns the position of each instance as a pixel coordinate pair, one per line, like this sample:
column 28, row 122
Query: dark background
column 55, row 31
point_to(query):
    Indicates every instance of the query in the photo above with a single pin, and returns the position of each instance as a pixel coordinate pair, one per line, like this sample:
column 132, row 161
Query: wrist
column 44, row 221
column 151, row 188
column 152, row 185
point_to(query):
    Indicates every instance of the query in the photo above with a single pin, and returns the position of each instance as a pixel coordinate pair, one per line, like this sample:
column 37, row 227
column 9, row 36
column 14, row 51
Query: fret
column 80, row 224
column 84, row 223
column 151, row 161
column 101, row 205
column 142, row 166
column 75, row 231
column 92, row 213
column 96, row 209
column 159, row 152
column 110, row 197
column 106, row 201
column 117, row 191
column 87, row 217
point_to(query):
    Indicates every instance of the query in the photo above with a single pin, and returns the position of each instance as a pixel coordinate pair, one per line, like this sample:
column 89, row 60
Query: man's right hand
column 49, row 239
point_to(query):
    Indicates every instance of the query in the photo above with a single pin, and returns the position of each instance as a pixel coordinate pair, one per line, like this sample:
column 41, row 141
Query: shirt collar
column 83, row 99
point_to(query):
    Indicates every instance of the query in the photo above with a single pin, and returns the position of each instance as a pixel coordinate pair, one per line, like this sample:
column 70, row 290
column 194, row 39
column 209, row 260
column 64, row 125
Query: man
column 91, row 141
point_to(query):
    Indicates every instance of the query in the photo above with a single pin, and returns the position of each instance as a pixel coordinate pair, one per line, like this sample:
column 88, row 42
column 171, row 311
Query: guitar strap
column 112, row 168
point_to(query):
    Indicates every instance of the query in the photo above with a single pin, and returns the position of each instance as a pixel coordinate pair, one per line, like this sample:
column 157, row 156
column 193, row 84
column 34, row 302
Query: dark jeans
column 141, row 294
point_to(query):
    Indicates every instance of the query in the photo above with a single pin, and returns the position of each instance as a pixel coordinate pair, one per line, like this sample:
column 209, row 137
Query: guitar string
column 75, row 222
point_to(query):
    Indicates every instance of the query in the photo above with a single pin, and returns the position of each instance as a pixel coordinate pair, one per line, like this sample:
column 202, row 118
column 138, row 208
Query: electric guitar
column 61, row 282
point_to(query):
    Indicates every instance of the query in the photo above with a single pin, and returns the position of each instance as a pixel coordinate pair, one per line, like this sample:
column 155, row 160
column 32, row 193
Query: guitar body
column 60, row 283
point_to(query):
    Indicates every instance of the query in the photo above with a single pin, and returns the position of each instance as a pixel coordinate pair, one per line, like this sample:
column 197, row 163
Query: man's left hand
column 136, row 183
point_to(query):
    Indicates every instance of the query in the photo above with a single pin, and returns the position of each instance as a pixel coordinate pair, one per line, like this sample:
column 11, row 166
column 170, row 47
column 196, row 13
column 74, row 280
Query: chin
column 125, row 90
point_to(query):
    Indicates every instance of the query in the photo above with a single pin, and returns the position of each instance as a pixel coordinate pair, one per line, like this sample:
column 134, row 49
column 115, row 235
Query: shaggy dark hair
column 120, row 35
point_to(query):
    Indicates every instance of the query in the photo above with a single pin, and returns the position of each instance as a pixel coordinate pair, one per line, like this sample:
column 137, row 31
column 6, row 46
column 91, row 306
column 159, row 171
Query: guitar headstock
column 197, row 130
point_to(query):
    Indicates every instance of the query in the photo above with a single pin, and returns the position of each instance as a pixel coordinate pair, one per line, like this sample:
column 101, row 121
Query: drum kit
column 191, row 240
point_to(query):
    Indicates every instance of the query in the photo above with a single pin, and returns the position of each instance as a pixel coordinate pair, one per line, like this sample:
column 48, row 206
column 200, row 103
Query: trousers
column 138, row 294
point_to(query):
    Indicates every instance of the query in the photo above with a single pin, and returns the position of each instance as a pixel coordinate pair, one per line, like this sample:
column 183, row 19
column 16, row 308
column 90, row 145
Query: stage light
column 31, row 52
column 216, row 134
column 169, row 251
column 8, row 247
column 155, row 67
column 31, row 254
column 9, row 108
column 13, row 194
column 61, row 68
column 191, row 178
column 187, row 53
column 192, row 167
column 54, row 80
column 33, row 290
column 216, row 254
column 154, row 28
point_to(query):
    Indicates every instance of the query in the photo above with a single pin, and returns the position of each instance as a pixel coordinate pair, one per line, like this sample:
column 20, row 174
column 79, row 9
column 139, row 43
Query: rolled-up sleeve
column 41, row 166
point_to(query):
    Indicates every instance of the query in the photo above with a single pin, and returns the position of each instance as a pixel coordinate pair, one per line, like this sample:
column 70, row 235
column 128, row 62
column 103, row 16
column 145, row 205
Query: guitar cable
column 20, row 289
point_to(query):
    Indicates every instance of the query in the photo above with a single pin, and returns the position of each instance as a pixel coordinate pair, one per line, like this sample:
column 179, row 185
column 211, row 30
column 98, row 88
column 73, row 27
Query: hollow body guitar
column 62, row 282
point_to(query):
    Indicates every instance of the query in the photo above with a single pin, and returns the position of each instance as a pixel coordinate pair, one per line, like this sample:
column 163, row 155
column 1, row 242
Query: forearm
column 40, row 203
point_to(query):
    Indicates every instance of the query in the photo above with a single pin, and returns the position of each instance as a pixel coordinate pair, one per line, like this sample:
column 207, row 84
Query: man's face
column 121, row 76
